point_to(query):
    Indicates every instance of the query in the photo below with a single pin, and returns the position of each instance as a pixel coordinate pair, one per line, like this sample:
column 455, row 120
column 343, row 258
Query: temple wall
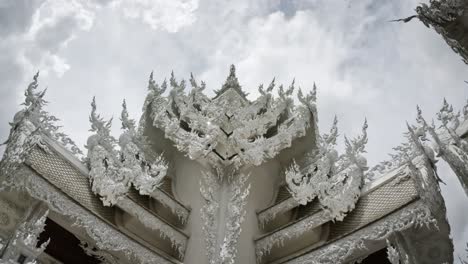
column 186, row 188
column 263, row 182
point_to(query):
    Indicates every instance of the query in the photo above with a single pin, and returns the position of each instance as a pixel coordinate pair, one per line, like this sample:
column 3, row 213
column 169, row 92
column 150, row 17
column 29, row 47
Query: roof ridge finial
column 232, row 71
column 231, row 82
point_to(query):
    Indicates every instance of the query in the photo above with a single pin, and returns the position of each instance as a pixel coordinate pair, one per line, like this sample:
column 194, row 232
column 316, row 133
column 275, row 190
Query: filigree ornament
column 107, row 179
column 25, row 240
column 342, row 193
column 104, row 236
column 146, row 175
column 394, row 256
column 336, row 181
column 413, row 216
column 447, row 143
column 228, row 129
column 28, row 127
column 270, row 214
column 112, row 172
column 101, row 255
column 178, row 239
column 439, row 14
column 264, row 245
column 208, row 189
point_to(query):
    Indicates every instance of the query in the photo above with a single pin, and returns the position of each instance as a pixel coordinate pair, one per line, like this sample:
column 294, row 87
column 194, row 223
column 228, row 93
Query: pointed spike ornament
column 164, row 86
column 30, row 93
column 314, row 93
column 281, row 91
column 300, row 95
column 95, row 120
column 445, row 113
column 182, row 85
column 271, row 86
column 447, row 143
column 415, row 137
column 202, row 86
column 153, row 87
column 193, row 82
column 448, row 118
column 25, row 131
column 231, row 82
column 103, row 161
column 336, row 181
column 43, row 122
column 101, row 128
column 356, row 147
column 173, row 81
column 309, row 100
column 331, row 137
column 232, row 78
column 465, row 111
column 127, row 123
column 232, row 71
column 151, row 82
column 261, row 91
column 290, row 90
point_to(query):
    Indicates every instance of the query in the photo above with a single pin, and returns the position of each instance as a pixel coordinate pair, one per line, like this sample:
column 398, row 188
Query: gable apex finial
column 231, row 83
column 232, row 71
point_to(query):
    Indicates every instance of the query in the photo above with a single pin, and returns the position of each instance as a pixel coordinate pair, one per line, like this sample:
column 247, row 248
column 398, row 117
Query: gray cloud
column 16, row 16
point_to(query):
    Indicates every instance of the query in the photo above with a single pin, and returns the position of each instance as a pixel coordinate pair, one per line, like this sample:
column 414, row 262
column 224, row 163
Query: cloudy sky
column 364, row 66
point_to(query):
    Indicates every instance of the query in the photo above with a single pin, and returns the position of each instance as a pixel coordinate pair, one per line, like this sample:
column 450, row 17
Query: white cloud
column 160, row 14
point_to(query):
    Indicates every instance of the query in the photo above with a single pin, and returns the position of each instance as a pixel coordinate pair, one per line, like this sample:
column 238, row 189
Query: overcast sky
column 364, row 66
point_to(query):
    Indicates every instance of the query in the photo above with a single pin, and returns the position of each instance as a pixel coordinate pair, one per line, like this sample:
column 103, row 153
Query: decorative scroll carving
column 336, row 181
column 27, row 126
column 306, row 185
column 235, row 217
column 174, row 206
column 112, row 172
column 448, row 144
column 103, row 256
column 392, row 254
column 221, row 241
column 208, row 189
column 415, row 215
column 439, row 14
column 149, row 220
column 228, row 128
column 105, row 237
column 397, row 159
column 264, row 245
column 395, row 256
column 26, row 238
column 269, row 214
column 146, row 175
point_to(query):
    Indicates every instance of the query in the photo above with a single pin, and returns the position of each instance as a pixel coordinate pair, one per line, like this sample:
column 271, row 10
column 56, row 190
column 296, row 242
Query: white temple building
column 224, row 180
